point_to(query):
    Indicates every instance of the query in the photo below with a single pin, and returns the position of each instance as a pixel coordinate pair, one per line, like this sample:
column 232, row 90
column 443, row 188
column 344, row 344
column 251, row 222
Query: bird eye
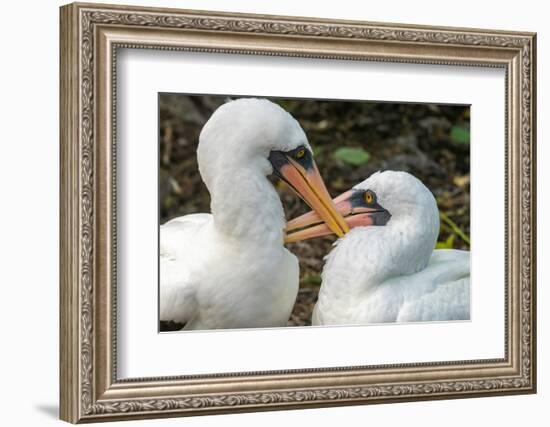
column 300, row 153
column 369, row 198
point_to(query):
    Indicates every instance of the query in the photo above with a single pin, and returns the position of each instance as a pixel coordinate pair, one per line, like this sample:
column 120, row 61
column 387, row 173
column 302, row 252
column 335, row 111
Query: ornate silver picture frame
column 91, row 34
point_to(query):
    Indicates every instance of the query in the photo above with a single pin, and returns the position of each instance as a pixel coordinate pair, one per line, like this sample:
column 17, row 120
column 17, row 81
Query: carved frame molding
column 90, row 37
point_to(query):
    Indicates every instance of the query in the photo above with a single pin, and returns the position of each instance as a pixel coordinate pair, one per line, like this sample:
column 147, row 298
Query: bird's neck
column 246, row 206
column 368, row 256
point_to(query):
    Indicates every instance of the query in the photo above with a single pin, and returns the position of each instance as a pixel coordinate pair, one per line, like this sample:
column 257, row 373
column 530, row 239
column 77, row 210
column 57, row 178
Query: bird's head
column 257, row 135
column 388, row 197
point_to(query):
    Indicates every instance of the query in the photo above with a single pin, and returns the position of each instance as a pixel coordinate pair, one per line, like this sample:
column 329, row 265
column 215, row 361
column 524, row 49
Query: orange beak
column 310, row 225
column 309, row 185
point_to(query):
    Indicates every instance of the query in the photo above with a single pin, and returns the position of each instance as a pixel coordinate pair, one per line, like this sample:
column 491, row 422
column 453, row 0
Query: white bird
column 386, row 269
column 229, row 269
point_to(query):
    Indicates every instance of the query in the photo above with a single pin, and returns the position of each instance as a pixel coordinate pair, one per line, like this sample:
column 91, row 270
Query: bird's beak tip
column 310, row 186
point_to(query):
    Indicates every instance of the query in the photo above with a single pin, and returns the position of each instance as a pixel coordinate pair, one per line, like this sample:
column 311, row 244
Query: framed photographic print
column 264, row 212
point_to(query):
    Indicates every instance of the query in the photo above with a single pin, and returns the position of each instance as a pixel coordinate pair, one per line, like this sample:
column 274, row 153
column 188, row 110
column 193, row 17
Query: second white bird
column 385, row 269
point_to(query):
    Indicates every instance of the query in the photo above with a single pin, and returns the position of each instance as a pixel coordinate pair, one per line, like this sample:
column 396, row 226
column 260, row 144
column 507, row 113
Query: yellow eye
column 301, row 153
column 369, row 198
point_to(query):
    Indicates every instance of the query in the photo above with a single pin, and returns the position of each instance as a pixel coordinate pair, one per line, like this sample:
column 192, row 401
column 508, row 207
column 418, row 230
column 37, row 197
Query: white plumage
column 440, row 291
column 229, row 269
column 391, row 273
column 209, row 281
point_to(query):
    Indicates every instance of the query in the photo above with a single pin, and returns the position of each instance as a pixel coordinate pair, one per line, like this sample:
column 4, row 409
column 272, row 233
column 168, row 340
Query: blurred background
column 351, row 140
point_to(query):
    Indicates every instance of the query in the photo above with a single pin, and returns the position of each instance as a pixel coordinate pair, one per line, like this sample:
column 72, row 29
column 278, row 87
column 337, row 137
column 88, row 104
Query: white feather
column 177, row 293
column 391, row 273
column 230, row 269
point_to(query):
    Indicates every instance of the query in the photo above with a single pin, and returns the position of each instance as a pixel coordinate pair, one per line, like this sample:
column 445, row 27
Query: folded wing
column 177, row 288
column 439, row 292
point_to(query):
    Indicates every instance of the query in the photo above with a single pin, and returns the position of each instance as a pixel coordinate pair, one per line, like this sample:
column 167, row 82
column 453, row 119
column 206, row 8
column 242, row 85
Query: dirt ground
column 351, row 140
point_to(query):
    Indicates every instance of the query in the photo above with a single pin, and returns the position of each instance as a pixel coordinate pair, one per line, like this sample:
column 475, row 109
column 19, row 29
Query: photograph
column 277, row 212
column 261, row 212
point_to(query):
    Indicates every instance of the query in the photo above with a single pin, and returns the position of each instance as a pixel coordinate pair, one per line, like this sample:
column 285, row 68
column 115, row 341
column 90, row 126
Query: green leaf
column 455, row 228
column 355, row 156
column 311, row 279
column 460, row 135
column 447, row 244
